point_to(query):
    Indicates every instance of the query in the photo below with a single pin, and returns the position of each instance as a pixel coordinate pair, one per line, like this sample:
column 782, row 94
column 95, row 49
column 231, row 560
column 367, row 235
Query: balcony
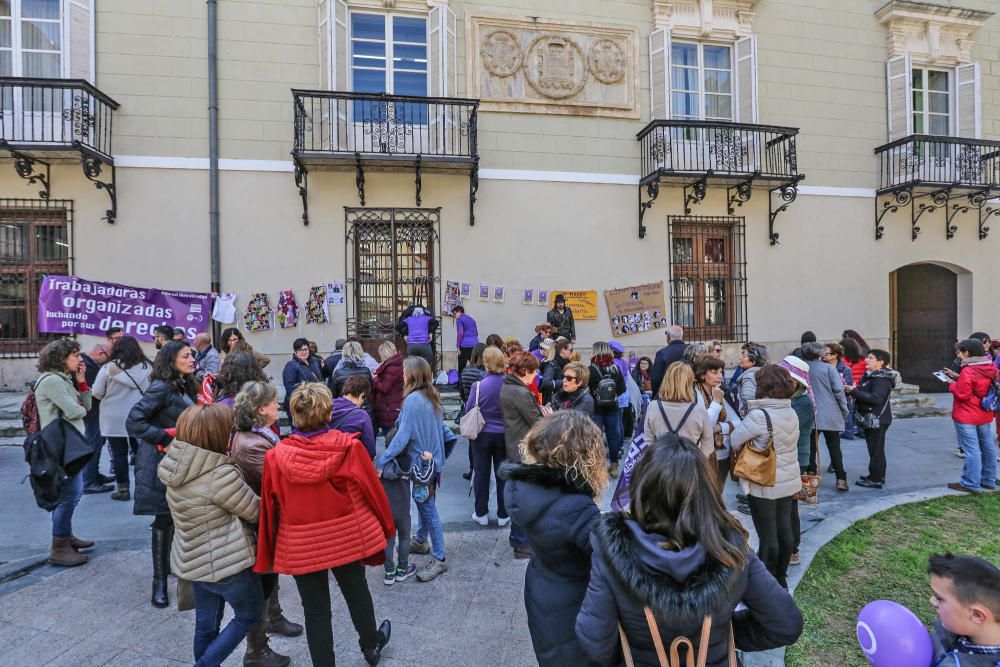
column 364, row 131
column 926, row 173
column 698, row 154
column 57, row 121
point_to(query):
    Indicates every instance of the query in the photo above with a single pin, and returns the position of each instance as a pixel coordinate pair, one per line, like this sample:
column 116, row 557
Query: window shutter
column 746, row 79
column 323, row 39
column 899, row 84
column 968, row 103
column 341, row 47
column 441, row 76
column 659, row 74
column 78, row 62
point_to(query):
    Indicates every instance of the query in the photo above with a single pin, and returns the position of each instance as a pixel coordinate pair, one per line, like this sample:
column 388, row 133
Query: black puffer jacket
column 631, row 570
column 556, row 513
column 873, row 393
column 157, row 410
column 551, row 380
column 346, row 370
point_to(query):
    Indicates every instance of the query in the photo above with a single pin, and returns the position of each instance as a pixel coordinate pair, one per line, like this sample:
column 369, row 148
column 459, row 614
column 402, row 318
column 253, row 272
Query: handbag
column 809, row 493
column 674, row 658
column 870, row 420
column 472, row 422
column 759, row 467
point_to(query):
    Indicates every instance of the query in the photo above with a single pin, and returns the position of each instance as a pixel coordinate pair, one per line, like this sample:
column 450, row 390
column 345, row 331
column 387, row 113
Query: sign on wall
column 71, row 305
column 583, row 303
column 636, row 309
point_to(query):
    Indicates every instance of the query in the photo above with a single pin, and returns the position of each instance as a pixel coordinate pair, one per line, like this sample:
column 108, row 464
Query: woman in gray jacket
column 831, row 405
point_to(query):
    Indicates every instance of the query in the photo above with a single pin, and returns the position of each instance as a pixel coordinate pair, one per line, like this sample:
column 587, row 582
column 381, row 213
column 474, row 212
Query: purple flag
column 67, row 305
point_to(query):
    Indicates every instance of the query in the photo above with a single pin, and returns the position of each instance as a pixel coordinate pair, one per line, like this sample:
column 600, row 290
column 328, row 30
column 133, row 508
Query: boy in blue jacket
column 966, row 596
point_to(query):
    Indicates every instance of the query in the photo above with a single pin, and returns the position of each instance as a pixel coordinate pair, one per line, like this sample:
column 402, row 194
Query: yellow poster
column 583, row 303
column 636, row 309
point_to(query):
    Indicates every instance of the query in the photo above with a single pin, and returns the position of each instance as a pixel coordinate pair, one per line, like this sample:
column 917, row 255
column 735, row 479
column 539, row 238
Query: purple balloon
column 892, row 636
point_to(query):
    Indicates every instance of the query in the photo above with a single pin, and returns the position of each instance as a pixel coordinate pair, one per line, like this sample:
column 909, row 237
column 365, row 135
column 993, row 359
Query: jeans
column 120, row 447
column 244, row 594
column 314, row 589
column 611, row 424
column 62, row 515
column 980, row 451
column 775, row 526
column 464, row 355
column 832, row 439
column 421, row 350
column 851, row 428
column 92, row 435
column 398, row 493
column 429, row 524
column 488, row 451
column 875, row 438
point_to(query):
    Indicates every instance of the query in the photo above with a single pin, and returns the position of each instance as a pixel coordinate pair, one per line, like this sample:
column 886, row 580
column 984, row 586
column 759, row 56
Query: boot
column 161, row 567
column 78, row 544
column 374, row 654
column 274, row 620
column 259, row 654
column 121, row 493
column 64, row 554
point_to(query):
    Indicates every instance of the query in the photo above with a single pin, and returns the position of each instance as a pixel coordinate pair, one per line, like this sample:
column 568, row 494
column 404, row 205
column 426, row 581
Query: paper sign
column 583, row 303
column 636, row 309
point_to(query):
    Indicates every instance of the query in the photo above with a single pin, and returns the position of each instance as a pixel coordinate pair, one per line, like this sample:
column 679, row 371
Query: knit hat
column 798, row 368
column 616, row 347
column 546, row 344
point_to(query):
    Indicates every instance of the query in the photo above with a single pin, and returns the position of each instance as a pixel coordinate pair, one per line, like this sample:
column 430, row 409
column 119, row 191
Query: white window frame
column 17, row 49
column 926, row 113
column 701, row 69
column 390, row 42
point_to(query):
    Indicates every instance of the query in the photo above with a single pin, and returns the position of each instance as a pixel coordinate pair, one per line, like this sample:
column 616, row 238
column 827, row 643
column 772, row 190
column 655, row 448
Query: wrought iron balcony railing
column 359, row 131
column 933, row 161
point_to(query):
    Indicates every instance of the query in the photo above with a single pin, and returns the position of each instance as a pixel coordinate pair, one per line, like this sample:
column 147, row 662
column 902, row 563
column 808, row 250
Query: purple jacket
column 417, row 329
column 349, row 418
column 489, row 401
column 468, row 334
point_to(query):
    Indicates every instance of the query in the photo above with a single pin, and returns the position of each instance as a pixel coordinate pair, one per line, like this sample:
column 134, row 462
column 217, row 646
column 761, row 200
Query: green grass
column 885, row 557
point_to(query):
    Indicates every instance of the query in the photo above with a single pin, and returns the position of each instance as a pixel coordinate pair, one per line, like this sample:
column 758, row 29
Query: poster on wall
column 528, row 297
column 68, row 305
column 636, row 309
column 466, row 290
column 335, row 293
column 484, row 292
column 498, row 293
column 452, row 296
column 583, row 303
column 543, row 297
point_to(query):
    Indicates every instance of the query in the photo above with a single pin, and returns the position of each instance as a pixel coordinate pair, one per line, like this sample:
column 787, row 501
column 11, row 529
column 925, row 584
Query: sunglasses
column 571, row 378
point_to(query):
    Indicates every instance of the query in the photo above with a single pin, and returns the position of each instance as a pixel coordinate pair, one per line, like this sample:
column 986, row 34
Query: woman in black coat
column 173, row 389
column 552, row 496
column 680, row 554
column 300, row 368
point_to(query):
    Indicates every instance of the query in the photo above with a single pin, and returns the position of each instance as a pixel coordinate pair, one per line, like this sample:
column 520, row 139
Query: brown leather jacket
column 247, row 451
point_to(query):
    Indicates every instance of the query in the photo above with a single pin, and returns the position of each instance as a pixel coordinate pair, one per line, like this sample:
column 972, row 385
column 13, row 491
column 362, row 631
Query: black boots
column 161, row 565
column 259, row 654
column 374, row 654
column 274, row 620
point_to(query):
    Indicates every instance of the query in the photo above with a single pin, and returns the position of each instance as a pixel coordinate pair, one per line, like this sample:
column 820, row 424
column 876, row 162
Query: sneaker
column 742, row 498
column 390, row 577
column 483, row 520
column 868, row 484
column 842, row 485
column 98, row 487
column 404, row 573
column 959, row 453
column 503, row 520
column 795, row 559
column 419, row 547
column 744, row 508
column 432, row 570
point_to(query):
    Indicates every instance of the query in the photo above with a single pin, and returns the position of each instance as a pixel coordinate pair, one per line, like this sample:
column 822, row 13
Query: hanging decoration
column 316, row 311
column 258, row 313
column 288, row 310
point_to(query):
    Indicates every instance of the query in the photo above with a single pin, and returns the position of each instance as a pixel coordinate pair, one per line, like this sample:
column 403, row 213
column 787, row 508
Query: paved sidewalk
column 99, row 614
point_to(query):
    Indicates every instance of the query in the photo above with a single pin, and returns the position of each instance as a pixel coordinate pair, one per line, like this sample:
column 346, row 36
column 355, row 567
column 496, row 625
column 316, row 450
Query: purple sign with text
column 68, row 305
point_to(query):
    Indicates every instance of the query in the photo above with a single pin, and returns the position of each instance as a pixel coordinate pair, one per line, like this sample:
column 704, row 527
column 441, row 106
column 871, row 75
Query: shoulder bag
column 472, row 422
column 872, row 420
column 674, row 659
column 759, row 467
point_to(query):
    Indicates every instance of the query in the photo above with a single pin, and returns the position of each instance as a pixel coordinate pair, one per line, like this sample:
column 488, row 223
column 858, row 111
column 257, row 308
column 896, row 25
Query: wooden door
column 926, row 303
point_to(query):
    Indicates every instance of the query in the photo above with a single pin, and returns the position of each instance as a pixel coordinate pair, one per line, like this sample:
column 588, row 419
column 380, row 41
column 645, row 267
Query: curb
column 18, row 568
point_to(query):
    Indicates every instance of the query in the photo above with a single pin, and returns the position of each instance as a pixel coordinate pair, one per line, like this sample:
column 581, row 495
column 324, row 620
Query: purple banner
column 68, row 305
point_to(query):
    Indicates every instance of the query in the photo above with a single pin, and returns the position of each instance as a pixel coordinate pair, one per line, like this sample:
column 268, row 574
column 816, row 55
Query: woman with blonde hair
column 678, row 412
column 387, row 387
column 553, row 494
column 351, row 363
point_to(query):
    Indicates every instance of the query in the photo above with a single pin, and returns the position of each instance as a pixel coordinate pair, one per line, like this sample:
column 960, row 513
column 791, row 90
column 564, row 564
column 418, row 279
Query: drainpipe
column 213, row 149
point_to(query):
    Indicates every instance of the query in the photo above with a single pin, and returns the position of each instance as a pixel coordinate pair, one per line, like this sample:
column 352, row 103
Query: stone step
column 905, row 389
column 10, row 404
column 11, row 428
column 908, row 412
column 911, row 400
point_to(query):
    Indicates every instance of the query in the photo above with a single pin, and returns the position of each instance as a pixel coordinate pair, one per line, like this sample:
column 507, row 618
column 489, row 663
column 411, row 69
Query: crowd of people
column 233, row 504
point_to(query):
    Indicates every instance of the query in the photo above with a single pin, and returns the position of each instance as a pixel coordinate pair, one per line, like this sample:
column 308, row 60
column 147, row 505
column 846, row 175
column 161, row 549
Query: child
column 966, row 595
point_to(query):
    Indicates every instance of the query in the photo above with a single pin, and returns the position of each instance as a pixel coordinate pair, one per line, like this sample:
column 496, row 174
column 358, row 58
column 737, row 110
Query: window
column 34, row 241
column 31, row 38
column 931, row 102
column 701, row 81
column 707, row 277
column 389, row 55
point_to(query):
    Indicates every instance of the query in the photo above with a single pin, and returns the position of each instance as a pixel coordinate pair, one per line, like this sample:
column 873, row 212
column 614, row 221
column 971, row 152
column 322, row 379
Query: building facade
column 780, row 165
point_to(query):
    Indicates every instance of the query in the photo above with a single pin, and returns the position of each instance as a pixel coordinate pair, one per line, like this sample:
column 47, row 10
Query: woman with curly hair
column 552, row 495
column 238, row 369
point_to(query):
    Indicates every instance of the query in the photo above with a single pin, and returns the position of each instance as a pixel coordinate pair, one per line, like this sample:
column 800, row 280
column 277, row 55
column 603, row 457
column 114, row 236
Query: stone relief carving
column 501, row 53
column 556, row 67
column 606, row 61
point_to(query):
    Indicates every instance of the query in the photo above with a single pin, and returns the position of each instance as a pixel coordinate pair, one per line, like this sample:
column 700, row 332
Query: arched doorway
column 925, row 322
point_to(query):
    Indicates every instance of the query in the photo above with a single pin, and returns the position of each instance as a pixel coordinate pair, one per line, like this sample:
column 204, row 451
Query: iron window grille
column 708, row 287
column 35, row 241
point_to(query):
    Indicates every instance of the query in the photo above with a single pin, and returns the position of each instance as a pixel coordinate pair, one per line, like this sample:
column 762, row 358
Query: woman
column 520, row 412
column 489, row 448
column 542, row 331
column 494, row 340
column 419, row 429
column 872, row 395
column 575, row 391
column 61, row 392
column 641, row 375
column 229, row 337
column 349, row 415
column 693, row 352
column 679, row 412
column 752, row 359
column 242, row 346
column 771, row 421
column 471, row 374
column 708, row 376
column 973, row 424
column 831, row 405
column 255, row 412
column 352, row 363
column 417, row 326
column 854, row 358
column 553, row 494
column 607, row 414
column 858, row 338
column 210, row 504
column 119, row 385
column 238, row 369
column 466, row 336
column 387, row 392
column 299, row 370
column 678, row 553
column 511, row 347
column 551, row 381
column 151, row 421
column 322, row 511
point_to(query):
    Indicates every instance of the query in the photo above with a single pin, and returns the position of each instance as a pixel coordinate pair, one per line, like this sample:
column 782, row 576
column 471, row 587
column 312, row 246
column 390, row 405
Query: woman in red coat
column 387, row 396
column 323, row 508
column 973, row 424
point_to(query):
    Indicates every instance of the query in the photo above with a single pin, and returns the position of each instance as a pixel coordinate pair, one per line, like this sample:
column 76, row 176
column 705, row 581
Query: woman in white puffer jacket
column 770, row 417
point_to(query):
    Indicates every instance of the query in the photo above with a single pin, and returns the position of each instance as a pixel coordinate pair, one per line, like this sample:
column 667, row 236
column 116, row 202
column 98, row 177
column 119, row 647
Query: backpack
column 991, row 401
column 46, row 474
column 29, row 413
column 606, row 394
column 680, row 424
